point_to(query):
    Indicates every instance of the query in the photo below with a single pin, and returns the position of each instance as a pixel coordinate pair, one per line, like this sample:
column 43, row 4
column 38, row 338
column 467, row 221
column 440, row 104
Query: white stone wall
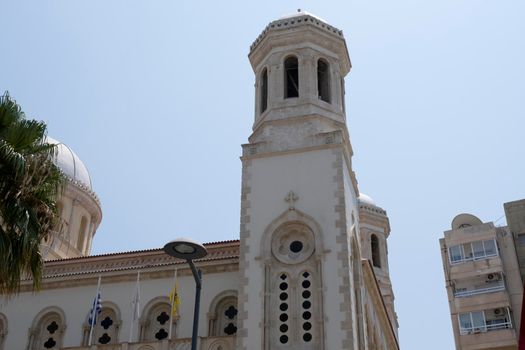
column 76, row 302
column 310, row 175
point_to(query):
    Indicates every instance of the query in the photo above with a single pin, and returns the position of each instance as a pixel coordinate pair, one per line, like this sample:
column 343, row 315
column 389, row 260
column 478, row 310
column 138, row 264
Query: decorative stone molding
column 297, row 21
column 373, row 209
column 343, row 252
column 243, row 299
column 154, row 263
column 315, row 141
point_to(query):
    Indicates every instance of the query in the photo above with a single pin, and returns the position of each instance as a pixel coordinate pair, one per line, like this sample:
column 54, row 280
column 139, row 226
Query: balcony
column 496, row 339
column 494, row 326
column 205, row 343
column 476, row 290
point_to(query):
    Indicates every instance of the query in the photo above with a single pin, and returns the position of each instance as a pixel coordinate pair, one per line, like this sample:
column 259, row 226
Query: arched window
column 376, row 256
column 106, row 327
column 3, row 330
column 81, row 234
column 264, row 90
column 323, row 80
column 223, row 315
column 156, row 325
column 291, row 77
column 47, row 331
column 293, row 292
column 58, row 224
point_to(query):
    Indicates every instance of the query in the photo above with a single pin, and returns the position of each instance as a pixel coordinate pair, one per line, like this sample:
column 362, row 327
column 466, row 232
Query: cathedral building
column 310, row 267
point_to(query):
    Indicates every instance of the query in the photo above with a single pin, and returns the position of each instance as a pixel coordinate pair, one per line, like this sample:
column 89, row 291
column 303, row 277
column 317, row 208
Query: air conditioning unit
column 492, row 277
column 499, row 311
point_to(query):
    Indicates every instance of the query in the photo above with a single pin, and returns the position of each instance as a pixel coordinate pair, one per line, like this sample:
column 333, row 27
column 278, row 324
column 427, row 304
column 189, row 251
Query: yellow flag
column 174, row 299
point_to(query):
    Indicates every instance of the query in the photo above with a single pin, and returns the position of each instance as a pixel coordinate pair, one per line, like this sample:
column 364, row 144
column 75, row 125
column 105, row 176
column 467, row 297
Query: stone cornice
column 297, row 21
column 299, row 29
column 222, row 256
column 374, row 216
column 90, row 201
column 252, row 150
column 82, row 187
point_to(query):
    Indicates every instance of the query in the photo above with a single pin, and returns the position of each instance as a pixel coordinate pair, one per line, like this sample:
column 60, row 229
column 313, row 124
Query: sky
column 156, row 98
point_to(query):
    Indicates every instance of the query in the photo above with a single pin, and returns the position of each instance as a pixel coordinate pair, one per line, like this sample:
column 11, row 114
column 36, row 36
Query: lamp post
column 188, row 249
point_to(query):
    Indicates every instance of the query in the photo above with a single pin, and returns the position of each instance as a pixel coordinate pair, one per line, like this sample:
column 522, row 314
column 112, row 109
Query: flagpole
column 93, row 312
column 135, row 306
column 172, row 302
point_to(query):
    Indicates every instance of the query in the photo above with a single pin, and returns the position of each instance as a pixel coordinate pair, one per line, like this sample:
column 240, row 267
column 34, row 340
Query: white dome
column 364, row 199
column 301, row 13
column 71, row 164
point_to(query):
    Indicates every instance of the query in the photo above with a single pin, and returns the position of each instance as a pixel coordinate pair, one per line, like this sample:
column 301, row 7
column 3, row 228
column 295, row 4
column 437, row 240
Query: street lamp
column 188, row 249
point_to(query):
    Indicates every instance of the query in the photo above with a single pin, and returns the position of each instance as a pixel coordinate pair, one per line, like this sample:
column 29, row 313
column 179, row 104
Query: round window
column 293, row 243
column 296, row 246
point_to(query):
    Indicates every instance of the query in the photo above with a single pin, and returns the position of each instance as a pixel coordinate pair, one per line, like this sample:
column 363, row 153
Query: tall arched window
column 264, row 90
column 47, row 331
column 323, row 80
column 81, row 234
column 293, row 289
column 376, row 256
column 291, row 77
column 156, row 325
column 223, row 314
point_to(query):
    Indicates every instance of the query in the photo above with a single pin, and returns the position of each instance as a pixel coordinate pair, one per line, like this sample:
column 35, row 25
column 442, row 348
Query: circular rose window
column 293, row 243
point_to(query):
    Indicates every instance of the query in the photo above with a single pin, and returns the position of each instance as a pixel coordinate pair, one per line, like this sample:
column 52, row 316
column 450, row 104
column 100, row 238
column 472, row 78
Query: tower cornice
column 308, row 29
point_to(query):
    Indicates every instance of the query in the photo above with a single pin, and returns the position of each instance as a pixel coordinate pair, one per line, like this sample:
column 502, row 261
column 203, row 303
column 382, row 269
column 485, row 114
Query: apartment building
column 484, row 265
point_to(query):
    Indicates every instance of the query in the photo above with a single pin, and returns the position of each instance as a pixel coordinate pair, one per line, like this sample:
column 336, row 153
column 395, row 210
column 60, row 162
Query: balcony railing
column 480, row 290
column 486, row 328
column 460, row 260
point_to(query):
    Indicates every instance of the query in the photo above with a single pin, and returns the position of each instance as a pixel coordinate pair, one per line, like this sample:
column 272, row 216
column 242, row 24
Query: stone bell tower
column 299, row 261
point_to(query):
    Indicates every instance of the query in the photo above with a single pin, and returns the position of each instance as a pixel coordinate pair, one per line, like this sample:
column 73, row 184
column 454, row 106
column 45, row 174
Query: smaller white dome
column 364, row 199
column 70, row 164
column 302, row 13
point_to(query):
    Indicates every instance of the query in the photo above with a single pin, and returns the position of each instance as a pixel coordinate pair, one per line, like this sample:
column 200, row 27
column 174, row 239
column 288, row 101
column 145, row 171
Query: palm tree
column 29, row 186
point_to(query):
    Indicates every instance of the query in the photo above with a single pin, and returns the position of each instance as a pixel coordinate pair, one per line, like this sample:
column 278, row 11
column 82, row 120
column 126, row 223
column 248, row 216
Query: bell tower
column 301, row 275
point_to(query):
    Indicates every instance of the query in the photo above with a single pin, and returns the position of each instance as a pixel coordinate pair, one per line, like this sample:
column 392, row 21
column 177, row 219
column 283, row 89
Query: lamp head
column 185, row 248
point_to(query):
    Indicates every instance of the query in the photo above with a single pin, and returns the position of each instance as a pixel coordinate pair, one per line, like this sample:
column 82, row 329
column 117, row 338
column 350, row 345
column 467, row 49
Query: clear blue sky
column 157, row 96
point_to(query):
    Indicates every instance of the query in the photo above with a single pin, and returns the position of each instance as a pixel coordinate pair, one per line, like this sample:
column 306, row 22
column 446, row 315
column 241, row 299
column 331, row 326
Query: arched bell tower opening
column 264, row 90
column 323, row 80
column 291, row 77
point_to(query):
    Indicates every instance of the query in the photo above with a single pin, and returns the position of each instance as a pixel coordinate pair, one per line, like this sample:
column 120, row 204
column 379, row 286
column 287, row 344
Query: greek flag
column 95, row 310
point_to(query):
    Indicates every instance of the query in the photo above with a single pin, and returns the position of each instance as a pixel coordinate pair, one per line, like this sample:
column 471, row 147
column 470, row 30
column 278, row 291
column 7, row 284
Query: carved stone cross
column 291, row 198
